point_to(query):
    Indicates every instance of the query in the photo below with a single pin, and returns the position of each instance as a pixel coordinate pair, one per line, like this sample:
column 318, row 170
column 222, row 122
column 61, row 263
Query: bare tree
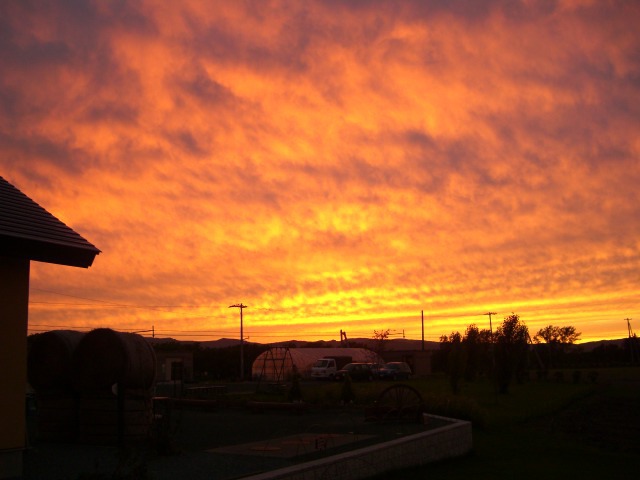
column 380, row 336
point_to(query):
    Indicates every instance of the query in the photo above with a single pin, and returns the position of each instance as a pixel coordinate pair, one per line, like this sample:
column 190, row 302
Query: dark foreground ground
column 595, row 436
column 217, row 445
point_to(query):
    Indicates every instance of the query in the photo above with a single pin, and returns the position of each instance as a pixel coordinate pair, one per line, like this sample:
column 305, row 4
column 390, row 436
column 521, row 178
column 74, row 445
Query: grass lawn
column 550, row 430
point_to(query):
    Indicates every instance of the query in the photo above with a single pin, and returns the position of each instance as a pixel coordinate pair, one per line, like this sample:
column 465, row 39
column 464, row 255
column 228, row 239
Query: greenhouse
column 277, row 363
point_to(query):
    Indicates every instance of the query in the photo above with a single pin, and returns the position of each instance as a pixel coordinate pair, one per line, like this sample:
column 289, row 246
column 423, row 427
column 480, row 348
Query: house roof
column 28, row 231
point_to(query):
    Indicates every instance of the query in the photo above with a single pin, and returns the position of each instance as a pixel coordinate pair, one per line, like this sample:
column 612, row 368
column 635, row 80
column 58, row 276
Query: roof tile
column 29, row 231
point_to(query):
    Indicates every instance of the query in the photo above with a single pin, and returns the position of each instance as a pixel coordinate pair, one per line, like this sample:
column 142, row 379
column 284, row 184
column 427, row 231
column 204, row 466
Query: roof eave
column 73, row 256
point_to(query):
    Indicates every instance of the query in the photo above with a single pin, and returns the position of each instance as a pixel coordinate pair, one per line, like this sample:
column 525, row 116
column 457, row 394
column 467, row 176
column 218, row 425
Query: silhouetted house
column 27, row 232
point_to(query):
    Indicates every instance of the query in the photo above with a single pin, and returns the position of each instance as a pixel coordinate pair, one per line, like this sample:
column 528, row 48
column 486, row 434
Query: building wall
column 165, row 369
column 418, row 360
column 14, row 307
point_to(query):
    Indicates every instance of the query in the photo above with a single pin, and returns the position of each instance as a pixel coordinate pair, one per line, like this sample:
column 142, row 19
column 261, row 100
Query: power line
column 172, row 316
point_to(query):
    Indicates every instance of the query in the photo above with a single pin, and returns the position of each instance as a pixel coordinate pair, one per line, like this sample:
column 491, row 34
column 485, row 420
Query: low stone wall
column 452, row 440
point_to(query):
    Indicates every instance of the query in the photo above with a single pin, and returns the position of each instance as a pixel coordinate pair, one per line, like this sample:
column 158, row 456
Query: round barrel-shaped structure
column 56, row 416
column 105, row 357
column 102, row 419
column 50, row 357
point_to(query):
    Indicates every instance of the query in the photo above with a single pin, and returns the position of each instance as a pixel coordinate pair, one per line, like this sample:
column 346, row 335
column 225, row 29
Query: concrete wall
column 450, row 441
column 14, row 307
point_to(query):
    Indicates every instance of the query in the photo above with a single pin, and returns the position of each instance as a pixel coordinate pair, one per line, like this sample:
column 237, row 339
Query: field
column 549, row 429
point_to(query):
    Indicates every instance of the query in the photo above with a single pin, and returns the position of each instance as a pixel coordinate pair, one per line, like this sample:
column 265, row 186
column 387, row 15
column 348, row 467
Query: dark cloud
column 43, row 54
column 205, row 89
column 36, row 148
column 111, row 113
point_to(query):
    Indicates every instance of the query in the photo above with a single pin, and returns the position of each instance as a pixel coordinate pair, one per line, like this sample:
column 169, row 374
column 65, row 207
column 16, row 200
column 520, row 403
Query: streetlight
column 241, row 307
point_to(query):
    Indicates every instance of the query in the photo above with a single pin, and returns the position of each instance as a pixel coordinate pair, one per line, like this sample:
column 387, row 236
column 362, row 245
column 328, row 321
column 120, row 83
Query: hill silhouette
column 394, row 344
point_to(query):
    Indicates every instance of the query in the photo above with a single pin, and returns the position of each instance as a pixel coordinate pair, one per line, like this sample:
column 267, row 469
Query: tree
column 557, row 340
column 464, row 356
column 511, row 346
column 476, row 345
column 553, row 334
column 380, row 337
column 456, row 361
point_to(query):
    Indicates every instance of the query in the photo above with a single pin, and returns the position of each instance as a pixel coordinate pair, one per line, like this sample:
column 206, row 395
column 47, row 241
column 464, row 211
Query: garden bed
column 236, row 443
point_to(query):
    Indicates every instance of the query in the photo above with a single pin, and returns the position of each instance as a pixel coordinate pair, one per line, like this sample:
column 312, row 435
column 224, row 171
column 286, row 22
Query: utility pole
column 241, row 307
column 422, row 315
column 631, row 340
column 490, row 326
column 493, row 352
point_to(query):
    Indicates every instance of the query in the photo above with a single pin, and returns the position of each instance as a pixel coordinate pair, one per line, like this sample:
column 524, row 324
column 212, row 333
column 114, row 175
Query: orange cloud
column 333, row 165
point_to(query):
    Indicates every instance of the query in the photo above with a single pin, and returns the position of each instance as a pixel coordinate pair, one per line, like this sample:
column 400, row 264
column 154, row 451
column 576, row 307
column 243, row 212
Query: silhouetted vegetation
column 217, row 364
column 511, row 355
column 380, row 336
column 511, row 352
column 557, row 341
column 456, row 360
column 477, row 344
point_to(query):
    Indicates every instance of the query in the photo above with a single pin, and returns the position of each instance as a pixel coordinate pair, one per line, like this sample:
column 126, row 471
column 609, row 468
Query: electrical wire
column 195, row 316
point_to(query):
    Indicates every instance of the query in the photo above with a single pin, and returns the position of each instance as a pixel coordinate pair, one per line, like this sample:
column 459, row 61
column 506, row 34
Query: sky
column 333, row 165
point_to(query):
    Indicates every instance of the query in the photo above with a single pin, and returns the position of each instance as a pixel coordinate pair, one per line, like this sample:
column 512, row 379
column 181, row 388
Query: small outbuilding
column 27, row 232
column 277, row 363
column 174, row 365
column 418, row 360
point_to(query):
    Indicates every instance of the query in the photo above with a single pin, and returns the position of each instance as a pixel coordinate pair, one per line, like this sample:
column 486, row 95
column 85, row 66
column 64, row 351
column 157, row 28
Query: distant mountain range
column 391, row 344
column 394, row 344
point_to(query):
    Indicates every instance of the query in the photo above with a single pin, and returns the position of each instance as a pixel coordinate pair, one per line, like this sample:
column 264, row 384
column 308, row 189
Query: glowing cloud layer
column 333, row 165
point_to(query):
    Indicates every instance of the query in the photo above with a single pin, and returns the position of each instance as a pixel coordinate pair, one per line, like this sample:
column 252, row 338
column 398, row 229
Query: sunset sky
column 331, row 164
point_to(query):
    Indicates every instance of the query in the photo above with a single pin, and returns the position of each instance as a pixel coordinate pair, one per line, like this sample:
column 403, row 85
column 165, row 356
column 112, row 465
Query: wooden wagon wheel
column 399, row 402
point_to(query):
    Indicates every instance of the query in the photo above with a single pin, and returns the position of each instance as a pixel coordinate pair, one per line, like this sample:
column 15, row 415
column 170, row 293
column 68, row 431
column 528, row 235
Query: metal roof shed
column 27, row 232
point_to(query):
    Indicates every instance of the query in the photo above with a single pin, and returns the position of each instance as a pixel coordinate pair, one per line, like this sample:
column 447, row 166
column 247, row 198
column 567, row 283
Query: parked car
column 326, row 368
column 356, row 371
column 395, row 371
column 375, row 369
